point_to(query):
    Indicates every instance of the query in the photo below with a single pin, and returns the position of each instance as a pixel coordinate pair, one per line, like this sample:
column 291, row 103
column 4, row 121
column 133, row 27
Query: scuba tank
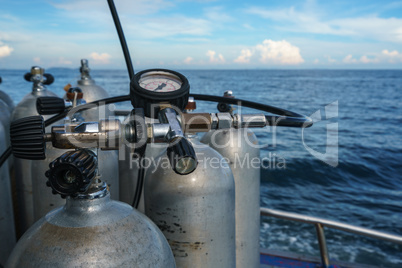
column 23, row 178
column 240, row 147
column 90, row 229
column 191, row 203
column 196, row 211
column 7, row 100
column 92, row 92
column 7, row 229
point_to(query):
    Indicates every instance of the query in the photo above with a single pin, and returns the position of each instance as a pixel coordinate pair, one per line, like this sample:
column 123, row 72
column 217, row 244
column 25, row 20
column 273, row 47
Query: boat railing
column 319, row 224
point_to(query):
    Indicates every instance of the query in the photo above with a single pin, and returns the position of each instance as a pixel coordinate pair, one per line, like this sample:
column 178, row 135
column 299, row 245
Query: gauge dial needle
column 160, row 86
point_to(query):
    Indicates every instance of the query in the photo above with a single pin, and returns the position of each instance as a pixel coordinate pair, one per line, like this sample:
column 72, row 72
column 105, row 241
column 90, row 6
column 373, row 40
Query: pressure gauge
column 150, row 89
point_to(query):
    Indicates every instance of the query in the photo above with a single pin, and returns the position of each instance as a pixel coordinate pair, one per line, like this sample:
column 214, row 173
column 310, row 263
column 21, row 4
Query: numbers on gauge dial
column 160, row 84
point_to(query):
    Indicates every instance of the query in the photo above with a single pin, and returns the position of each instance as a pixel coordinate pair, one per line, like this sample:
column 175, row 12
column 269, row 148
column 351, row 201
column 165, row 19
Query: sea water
column 347, row 167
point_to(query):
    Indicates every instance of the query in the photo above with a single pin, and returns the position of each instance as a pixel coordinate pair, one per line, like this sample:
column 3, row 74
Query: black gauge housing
column 150, row 101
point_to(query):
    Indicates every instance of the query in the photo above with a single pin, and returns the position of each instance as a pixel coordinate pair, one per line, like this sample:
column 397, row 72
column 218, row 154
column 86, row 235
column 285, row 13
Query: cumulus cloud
column 279, row 52
column 188, row 60
column 100, row 58
column 366, row 59
column 363, row 59
column 391, row 56
column 211, row 54
column 5, row 50
column 349, row 59
column 244, row 57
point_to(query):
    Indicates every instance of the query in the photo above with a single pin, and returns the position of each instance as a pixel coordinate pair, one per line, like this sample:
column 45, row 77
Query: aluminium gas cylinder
column 92, row 230
column 195, row 211
column 23, row 178
column 240, row 148
column 7, row 229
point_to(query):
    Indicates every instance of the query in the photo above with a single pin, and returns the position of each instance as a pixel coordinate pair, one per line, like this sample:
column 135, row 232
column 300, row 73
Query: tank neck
column 86, row 78
column 95, row 191
column 94, row 199
column 38, row 86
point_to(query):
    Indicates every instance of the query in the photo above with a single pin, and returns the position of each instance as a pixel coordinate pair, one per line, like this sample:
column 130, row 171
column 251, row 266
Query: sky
column 203, row 34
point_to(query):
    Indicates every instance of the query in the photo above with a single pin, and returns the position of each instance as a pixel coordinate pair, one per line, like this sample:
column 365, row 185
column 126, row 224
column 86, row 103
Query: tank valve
column 72, row 173
column 182, row 156
column 27, row 137
column 38, row 75
column 180, row 152
column 50, row 105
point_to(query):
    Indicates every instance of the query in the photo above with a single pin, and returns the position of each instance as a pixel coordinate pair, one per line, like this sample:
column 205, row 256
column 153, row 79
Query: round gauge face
column 160, row 81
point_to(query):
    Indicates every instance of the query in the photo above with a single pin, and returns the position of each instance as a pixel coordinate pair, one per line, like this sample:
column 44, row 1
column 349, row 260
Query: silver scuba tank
column 92, row 92
column 7, row 229
column 196, row 211
column 5, row 118
column 90, row 230
column 8, row 101
column 23, row 178
column 240, row 148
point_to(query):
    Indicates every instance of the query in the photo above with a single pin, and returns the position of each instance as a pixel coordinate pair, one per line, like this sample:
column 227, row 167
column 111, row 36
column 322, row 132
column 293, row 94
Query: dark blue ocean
column 347, row 167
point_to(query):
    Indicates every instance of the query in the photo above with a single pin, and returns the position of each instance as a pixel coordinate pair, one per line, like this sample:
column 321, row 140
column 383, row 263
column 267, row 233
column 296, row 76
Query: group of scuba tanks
column 91, row 190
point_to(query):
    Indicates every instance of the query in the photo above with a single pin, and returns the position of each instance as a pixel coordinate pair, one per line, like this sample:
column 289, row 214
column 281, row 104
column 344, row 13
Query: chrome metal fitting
column 214, row 121
column 168, row 116
column 225, row 120
column 249, row 120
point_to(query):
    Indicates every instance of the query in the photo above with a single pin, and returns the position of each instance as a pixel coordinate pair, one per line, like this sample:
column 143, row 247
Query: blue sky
column 203, row 34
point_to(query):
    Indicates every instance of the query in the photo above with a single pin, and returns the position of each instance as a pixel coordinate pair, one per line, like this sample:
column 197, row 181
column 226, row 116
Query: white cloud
column 349, row 59
column 244, row 57
column 279, row 52
column 137, row 7
column 102, row 58
column 188, row 60
column 36, row 60
column 316, row 61
column 211, row 54
column 5, row 50
column 363, row 59
column 311, row 21
column 391, row 56
column 390, row 53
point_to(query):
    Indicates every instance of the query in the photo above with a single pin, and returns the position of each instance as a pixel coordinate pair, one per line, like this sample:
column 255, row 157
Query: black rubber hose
column 286, row 118
column 5, row 156
column 140, row 183
column 58, row 117
column 122, row 39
